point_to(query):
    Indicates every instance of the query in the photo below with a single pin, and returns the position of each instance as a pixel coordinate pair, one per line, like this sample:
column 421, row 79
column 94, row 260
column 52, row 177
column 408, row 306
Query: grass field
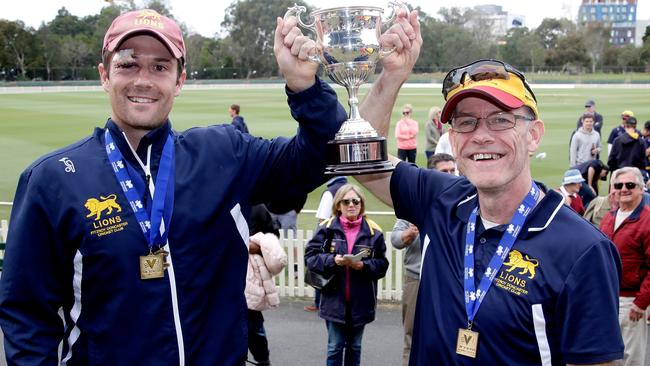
column 34, row 124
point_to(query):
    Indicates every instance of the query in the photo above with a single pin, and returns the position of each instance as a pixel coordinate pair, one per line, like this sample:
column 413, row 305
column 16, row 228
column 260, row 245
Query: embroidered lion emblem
column 96, row 207
column 516, row 260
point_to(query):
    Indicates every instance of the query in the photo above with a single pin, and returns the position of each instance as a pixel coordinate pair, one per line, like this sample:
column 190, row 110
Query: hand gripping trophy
column 348, row 43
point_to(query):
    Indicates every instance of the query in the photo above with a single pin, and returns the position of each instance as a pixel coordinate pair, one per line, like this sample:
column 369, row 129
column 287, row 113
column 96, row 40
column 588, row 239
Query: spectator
column 406, row 132
column 266, row 258
column 237, row 120
column 628, row 149
column 434, row 130
column 646, row 140
column 569, row 189
column 444, row 147
column 618, row 130
column 564, row 312
column 600, row 206
column 323, row 213
column 629, row 228
column 585, row 143
column 164, row 287
column 592, row 171
column 406, row 236
column 350, row 304
column 590, row 107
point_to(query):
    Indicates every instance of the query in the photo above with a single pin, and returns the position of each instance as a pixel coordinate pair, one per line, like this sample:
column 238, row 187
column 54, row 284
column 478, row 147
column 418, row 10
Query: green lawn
column 34, row 124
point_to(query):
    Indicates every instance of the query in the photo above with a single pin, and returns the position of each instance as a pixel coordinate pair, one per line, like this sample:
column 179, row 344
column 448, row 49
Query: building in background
column 493, row 17
column 619, row 15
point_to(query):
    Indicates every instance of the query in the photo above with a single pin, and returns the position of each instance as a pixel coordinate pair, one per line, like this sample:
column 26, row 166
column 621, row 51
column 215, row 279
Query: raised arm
column 378, row 104
column 292, row 51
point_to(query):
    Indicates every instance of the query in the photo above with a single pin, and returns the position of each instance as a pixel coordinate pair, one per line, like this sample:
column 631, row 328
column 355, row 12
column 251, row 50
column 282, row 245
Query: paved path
column 297, row 337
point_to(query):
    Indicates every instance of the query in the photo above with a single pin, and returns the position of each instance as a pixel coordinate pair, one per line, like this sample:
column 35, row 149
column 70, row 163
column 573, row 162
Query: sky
column 205, row 17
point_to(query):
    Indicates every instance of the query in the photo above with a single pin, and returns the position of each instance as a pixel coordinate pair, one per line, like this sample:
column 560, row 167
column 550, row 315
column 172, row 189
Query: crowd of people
column 499, row 269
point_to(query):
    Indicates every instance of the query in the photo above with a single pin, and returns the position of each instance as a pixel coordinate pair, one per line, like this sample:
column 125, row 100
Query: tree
column 251, row 24
column 522, row 48
column 569, row 53
column 551, row 30
column 18, row 43
column 630, row 56
column 596, row 36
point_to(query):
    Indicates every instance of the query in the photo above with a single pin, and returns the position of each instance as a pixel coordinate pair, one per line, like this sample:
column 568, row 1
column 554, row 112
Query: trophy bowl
column 349, row 50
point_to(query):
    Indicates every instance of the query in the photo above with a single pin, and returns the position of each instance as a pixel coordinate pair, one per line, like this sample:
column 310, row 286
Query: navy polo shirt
column 554, row 301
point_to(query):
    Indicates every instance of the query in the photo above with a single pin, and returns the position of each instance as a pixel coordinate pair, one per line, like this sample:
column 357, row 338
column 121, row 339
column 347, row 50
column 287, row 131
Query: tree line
column 69, row 47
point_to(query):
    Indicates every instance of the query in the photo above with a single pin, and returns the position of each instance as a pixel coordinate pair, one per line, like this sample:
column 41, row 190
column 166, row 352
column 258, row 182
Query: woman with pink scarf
column 350, row 247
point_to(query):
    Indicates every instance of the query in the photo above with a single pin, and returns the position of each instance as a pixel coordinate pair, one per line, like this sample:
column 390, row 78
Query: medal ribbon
column 134, row 188
column 474, row 298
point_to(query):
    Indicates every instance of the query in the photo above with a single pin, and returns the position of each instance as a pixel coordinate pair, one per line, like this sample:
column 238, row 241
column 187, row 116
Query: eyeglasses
column 406, row 112
column 353, row 201
column 481, row 70
column 495, row 122
column 628, row 185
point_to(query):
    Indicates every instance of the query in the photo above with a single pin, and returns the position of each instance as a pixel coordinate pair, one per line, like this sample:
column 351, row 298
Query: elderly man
column 629, row 228
column 406, row 236
column 552, row 277
column 136, row 284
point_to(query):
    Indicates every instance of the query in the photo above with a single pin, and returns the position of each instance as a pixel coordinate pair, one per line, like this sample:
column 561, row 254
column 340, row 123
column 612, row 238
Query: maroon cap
column 145, row 21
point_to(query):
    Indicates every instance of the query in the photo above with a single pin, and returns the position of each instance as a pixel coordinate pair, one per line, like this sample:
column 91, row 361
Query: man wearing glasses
column 551, row 276
column 629, row 228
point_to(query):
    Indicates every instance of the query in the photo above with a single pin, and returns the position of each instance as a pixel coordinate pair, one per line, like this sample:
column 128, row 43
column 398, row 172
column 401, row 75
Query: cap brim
column 112, row 46
column 502, row 99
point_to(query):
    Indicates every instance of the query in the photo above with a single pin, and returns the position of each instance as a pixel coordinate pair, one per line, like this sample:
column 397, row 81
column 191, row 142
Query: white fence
column 291, row 282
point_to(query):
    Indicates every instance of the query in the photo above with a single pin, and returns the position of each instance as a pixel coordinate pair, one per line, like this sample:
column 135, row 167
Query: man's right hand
column 292, row 50
column 410, row 234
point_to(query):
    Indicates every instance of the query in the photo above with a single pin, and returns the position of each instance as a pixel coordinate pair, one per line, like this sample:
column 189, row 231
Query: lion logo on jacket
column 527, row 265
column 97, row 207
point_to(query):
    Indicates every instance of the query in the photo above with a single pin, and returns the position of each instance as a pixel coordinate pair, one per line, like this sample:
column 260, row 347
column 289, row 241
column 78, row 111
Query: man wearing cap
column 629, row 228
column 138, row 233
column 552, row 277
column 628, row 148
column 590, row 107
column 618, row 130
column 569, row 189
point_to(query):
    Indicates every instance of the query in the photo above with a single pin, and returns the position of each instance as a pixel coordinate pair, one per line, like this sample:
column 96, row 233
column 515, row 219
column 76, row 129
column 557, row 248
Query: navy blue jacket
column 328, row 241
column 74, row 243
column 238, row 122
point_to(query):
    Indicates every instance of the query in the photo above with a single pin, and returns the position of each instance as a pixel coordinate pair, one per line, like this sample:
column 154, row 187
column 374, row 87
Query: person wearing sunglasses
column 350, row 247
column 510, row 275
column 629, row 228
column 406, row 132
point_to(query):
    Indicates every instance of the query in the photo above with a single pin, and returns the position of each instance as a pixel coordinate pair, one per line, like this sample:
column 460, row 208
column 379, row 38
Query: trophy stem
column 353, row 102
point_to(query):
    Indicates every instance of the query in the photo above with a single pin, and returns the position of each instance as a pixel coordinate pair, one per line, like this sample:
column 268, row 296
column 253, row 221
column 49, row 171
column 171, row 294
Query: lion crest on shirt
column 526, row 265
column 97, row 207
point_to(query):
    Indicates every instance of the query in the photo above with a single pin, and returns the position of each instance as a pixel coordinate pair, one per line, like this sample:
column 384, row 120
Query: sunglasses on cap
column 628, row 185
column 353, row 201
column 481, row 70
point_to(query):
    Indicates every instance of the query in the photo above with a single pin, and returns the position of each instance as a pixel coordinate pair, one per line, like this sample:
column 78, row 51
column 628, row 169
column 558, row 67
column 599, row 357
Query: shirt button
column 482, row 240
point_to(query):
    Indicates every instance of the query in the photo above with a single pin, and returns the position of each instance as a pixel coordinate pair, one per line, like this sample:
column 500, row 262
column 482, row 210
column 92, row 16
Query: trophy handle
column 394, row 5
column 297, row 10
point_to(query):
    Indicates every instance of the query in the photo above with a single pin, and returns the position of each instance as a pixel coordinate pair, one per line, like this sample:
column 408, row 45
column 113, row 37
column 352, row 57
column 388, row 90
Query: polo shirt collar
column 540, row 218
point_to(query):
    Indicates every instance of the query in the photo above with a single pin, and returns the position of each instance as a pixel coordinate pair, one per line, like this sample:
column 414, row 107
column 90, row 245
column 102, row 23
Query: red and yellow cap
column 508, row 94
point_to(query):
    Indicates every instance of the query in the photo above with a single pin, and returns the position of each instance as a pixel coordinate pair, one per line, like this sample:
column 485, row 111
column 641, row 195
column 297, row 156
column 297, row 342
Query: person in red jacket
column 629, row 228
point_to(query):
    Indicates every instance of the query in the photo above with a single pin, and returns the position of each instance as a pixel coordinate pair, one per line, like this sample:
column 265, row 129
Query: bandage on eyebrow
column 123, row 55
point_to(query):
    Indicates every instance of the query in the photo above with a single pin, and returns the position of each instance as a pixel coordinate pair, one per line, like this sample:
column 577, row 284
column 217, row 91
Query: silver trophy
column 348, row 40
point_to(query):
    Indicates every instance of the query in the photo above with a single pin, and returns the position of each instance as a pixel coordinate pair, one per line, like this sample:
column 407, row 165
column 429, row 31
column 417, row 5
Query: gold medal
column 152, row 266
column 467, row 342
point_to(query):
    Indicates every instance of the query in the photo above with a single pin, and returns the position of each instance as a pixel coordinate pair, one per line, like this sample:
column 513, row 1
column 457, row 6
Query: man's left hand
column 406, row 38
column 636, row 313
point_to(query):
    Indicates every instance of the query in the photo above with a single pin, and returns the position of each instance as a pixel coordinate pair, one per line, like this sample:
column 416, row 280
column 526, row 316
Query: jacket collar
column 635, row 214
column 540, row 218
column 156, row 138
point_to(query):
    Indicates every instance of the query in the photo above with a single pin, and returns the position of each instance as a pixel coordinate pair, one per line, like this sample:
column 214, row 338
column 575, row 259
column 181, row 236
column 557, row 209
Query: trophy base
column 357, row 156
